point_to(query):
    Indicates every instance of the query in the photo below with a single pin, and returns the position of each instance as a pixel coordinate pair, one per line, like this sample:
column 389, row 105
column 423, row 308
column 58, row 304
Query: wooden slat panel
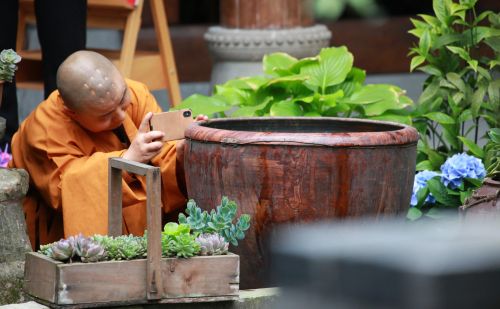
column 201, row 276
column 40, row 276
column 102, row 282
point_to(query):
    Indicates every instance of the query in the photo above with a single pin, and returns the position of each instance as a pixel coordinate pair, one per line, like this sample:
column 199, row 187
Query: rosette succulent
column 88, row 250
column 459, row 167
column 419, row 183
column 212, row 244
column 8, row 64
column 62, row 250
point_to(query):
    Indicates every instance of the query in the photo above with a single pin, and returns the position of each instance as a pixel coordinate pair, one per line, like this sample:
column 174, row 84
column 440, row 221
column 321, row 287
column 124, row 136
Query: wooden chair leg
column 130, row 35
column 166, row 52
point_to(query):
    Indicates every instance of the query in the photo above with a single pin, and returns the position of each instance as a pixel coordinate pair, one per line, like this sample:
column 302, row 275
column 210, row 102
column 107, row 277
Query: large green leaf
column 440, row 118
column 442, row 9
column 473, row 147
column 277, row 61
column 413, row 214
column 233, row 96
column 378, row 98
column 247, row 83
column 438, row 190
column 332, row 68
column 424, row 165
column 286, row 108
column 200, row 104
column 250, row 111
column 430, row 92
column 416, row 61
column 388, row 116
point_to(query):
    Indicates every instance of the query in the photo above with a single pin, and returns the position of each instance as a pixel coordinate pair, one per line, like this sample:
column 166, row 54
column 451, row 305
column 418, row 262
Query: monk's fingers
column 152, row 136
column 144, row 126
column 152, row 148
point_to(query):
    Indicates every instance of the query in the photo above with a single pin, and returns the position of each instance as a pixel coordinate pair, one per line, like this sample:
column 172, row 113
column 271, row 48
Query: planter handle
column 153, row 192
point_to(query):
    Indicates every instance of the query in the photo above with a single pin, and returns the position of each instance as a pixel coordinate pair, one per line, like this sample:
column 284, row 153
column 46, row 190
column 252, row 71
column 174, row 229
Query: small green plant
column 492, row 154
column 8, row 64
column 124, row 247
column 325, row 85
column 177, row 240
column 461, row 87
column 218, row 221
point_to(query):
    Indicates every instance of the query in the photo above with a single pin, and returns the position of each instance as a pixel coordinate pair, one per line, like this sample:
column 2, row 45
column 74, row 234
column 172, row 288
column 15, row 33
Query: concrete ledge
column 249, row 299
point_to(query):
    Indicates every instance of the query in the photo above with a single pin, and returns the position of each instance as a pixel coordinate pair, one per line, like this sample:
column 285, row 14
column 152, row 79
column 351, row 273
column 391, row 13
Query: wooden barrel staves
column 287, row 170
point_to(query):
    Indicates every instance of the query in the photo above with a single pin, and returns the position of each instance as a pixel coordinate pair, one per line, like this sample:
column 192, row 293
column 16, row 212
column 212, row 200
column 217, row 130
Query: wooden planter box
column 151, row 280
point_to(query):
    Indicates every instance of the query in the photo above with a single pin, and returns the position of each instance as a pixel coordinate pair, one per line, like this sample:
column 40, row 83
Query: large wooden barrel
column 284, row 170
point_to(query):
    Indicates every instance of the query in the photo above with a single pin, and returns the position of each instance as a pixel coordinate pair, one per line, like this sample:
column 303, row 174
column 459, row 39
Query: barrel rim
column 403, row 136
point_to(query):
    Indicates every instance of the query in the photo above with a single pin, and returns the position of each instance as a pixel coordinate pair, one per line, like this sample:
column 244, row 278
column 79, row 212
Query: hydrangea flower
column 421, row 182
column 5, row 156
column 461, row 166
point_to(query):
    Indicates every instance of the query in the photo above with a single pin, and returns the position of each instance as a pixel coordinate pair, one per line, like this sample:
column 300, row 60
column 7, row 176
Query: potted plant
column 8, row 66
column 195, row 248
column 167, row 271
column 325, row 85
column 486, row 200
column 459, row 50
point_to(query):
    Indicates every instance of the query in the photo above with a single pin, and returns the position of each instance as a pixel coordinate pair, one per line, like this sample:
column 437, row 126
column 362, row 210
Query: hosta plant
column 325, row 85
column 459, row 49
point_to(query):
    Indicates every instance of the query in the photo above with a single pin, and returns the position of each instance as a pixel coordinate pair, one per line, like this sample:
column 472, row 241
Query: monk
column 65, row 143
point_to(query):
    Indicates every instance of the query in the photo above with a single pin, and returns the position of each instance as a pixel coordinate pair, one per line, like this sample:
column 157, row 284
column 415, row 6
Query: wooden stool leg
column 166, row 53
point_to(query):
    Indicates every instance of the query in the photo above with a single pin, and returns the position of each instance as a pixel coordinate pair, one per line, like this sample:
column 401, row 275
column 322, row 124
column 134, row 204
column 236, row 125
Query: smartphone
column 173, row 124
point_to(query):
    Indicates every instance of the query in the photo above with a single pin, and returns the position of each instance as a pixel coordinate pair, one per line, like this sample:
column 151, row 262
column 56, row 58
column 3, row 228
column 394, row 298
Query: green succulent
column 177, row 241
column 8, row 64
column 218, row 221
column 124, row 247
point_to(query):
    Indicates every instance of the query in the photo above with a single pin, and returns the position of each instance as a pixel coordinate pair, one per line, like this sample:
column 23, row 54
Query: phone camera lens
column 187, row 114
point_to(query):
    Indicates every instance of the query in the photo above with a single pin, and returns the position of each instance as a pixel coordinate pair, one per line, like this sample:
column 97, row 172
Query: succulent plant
column 88, row 250
column 62, row 250
column 212, row 244
column 125, row 247
column 8, row 64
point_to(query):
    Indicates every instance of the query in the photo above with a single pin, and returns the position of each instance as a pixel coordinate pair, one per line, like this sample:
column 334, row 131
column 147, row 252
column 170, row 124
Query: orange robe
column 68, row 169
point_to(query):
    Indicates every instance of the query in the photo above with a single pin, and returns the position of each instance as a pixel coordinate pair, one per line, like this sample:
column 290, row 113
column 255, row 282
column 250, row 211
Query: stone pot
column 287, row 170
column 484, row 204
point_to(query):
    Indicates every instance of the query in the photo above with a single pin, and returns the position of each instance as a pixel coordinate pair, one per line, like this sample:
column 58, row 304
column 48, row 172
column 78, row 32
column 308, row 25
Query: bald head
column 87, row 78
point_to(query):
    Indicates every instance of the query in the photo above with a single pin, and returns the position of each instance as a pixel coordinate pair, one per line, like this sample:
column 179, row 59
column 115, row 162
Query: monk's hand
column 201, row 117
column 146, row 143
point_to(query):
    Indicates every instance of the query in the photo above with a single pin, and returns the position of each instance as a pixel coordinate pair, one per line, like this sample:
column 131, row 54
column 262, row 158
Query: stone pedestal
column 14, row 242
column 239, row 52
column 251, row 29
column 3, row 124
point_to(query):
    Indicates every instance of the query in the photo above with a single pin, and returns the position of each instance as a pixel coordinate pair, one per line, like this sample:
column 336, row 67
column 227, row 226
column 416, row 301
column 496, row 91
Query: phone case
column 173, row 124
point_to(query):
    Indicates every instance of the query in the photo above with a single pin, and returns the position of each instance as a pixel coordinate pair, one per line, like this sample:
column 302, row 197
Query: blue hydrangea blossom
column 421, row 182
column 461, row 166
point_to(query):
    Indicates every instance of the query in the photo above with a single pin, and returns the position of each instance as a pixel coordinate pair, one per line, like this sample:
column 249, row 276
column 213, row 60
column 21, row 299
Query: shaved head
column 86, row 79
